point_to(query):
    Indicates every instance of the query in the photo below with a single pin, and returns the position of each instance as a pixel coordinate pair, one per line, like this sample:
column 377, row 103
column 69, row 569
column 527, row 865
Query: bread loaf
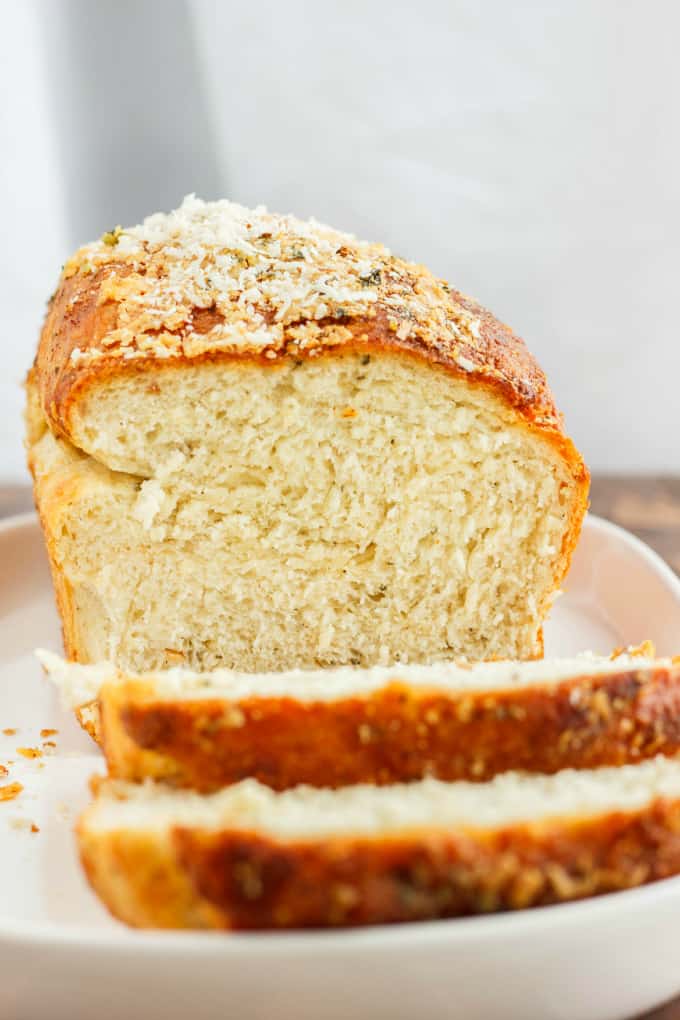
column 260, row 443
column 247, row 857
column 382, row 725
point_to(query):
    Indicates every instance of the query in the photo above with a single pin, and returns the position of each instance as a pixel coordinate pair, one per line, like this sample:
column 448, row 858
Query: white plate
column 62, row 957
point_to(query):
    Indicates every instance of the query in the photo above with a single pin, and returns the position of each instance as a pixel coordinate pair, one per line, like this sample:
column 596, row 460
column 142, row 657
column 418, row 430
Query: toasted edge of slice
column 338, row 727
column 247, row 857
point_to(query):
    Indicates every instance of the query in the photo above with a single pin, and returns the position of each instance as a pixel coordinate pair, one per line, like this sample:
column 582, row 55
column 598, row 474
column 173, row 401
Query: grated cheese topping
column 215, row 276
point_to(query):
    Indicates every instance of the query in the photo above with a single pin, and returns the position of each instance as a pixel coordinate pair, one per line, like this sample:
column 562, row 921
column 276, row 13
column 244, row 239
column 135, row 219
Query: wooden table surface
column 649, row 507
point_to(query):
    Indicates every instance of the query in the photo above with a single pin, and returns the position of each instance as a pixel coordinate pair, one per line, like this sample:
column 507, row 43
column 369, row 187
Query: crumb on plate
column 26, row 824
column 10, row 791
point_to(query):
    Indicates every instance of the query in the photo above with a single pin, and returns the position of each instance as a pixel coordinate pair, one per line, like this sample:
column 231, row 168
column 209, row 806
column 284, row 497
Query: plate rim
column 120, row 939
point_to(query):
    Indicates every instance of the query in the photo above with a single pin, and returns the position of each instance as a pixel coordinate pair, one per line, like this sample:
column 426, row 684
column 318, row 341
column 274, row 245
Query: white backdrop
column 529, row 152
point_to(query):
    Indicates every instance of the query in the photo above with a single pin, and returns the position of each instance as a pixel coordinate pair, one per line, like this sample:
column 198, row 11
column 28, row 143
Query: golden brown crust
column 78, row 319
column 52, row 492
column 398, row 733
column 104, row 317
column 245, row 880
column 134, row 872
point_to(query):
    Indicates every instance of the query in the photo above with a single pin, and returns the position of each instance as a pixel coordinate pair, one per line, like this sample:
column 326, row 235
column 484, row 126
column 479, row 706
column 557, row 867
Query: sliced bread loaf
column 260, row 443
column 341, row 726
column 247, row 857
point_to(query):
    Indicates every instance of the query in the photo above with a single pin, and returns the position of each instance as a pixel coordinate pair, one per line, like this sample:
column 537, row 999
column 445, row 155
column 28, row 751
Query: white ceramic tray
column 62, row 957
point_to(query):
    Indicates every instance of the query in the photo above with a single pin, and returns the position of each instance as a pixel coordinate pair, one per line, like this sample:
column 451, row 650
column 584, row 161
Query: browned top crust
column 216, row 280
column 229, row 879
column 255, row 882
column 396, row 733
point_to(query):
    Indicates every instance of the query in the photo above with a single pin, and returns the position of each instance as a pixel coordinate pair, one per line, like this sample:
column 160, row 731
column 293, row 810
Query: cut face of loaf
column 251, row 858
column 260, row 443
column 382, row 725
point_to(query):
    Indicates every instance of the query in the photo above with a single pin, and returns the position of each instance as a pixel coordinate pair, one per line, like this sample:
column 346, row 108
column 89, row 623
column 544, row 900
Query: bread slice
column 260, row 443
column 382, row 725
column 247, row 857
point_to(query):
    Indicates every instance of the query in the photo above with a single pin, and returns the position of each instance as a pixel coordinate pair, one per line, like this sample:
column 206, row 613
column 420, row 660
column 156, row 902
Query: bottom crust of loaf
column 194, row 878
